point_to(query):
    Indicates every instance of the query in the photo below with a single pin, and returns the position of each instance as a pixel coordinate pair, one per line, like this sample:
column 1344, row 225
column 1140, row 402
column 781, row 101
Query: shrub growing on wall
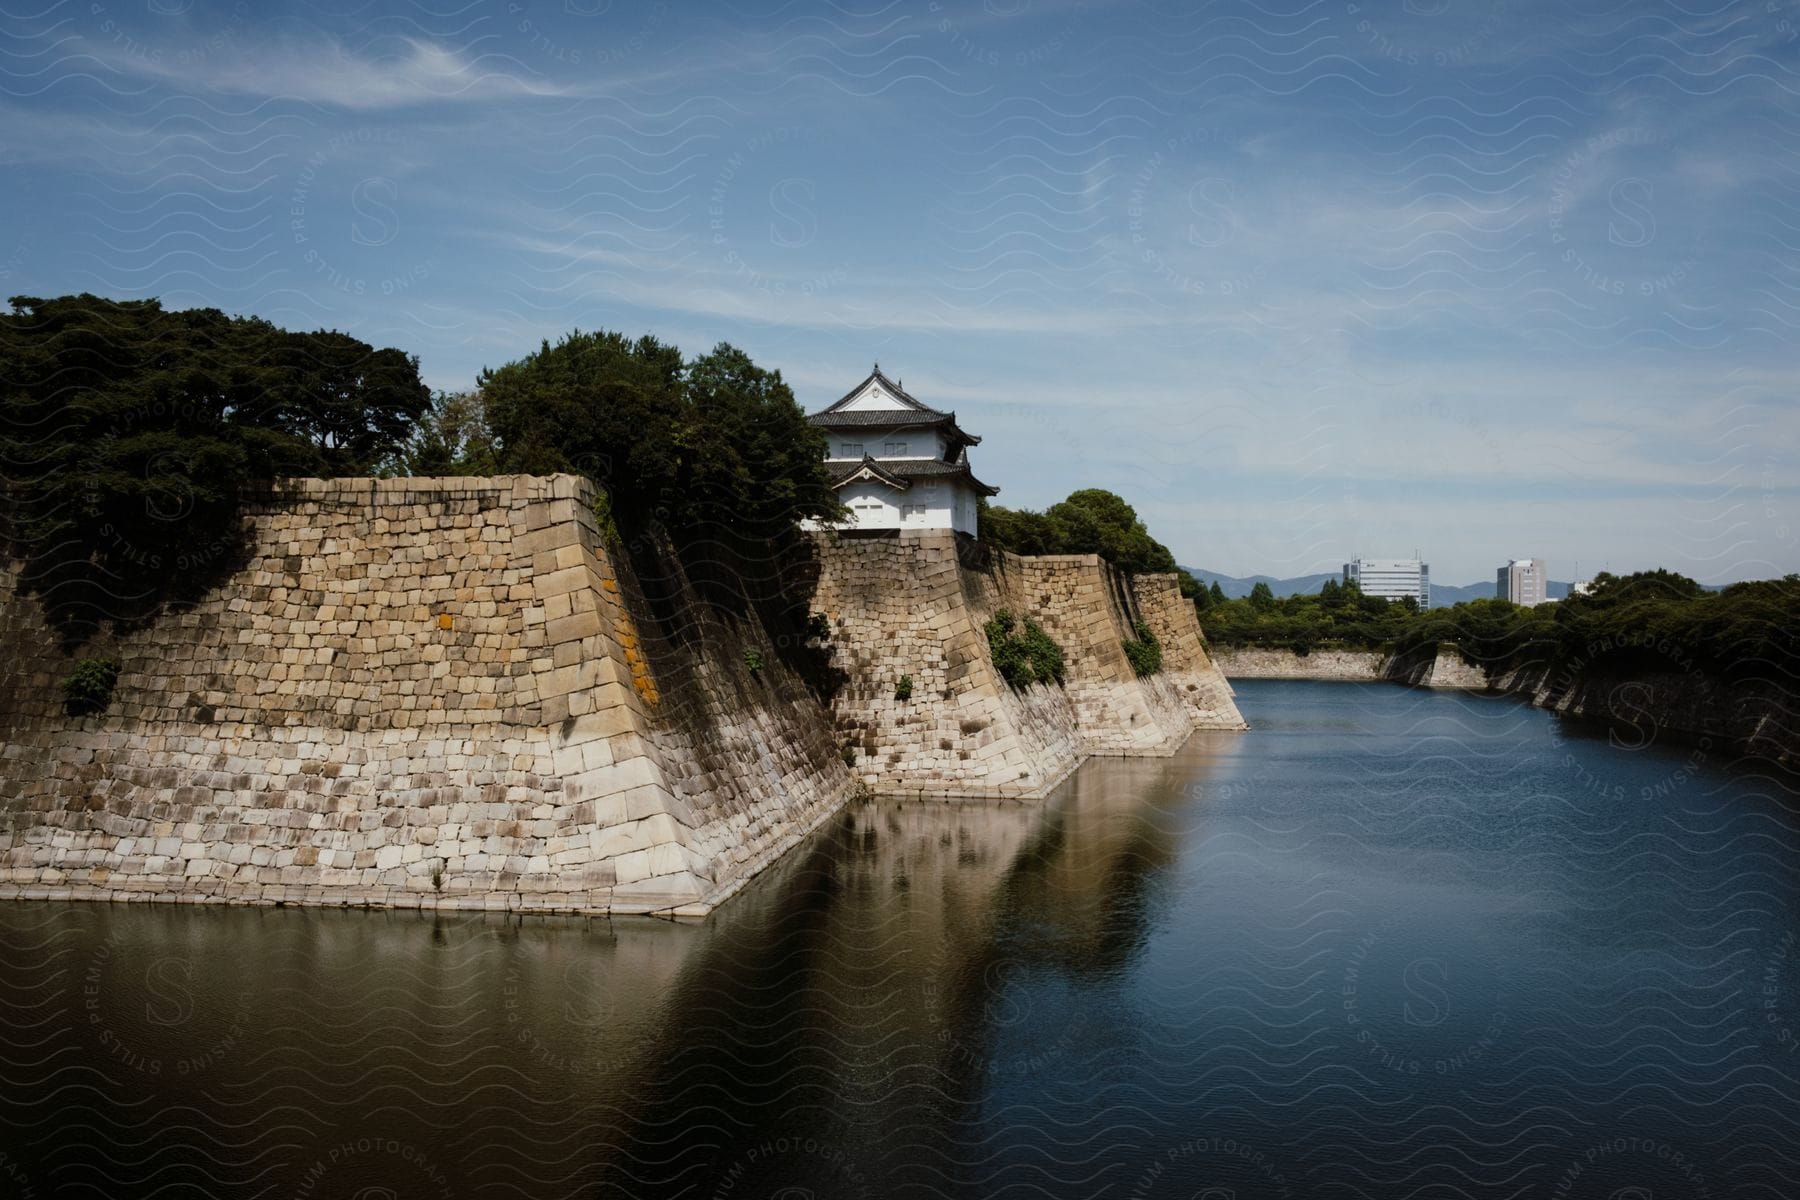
column 89, row 687
column 1144, row 651
column 1023, row 656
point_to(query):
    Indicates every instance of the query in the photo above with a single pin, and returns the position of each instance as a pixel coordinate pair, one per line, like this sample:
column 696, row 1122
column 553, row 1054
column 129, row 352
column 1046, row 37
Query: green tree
column 596, row 404
column 1021, row 530
column 1216, row 593
column 715, row 449
column 1088, row 521
column 751, row 462
column 353, row 406
column 453, row 438
column 1261, row 597
column 1096, row 521
column 1660, row 584
column 128, row 432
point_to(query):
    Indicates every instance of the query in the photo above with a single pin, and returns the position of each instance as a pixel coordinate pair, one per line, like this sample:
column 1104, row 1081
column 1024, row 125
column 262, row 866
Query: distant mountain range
column 1443, row 595
column 1236, row 587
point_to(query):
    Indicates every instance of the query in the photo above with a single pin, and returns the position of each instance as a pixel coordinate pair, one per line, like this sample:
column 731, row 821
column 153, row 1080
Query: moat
column 1389, row 943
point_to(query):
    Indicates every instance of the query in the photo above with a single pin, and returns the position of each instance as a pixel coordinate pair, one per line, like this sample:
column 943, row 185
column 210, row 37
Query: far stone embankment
column 1754, row 715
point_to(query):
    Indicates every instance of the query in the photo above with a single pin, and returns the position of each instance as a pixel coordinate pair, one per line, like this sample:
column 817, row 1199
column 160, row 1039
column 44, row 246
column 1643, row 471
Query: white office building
column 1523, row 581
column 1391, row 578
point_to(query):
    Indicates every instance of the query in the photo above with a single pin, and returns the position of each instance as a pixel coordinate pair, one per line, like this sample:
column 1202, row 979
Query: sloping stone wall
column 1078, row 600
column 1440, row 666
column 1757, row 717
column 418, row 692
column 916, row 603
column 1450, row 670
column 1203, row 687
column 903, row 605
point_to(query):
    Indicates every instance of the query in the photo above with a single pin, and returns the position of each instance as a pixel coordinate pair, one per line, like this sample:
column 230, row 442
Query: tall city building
column 1523, row 581
column 1391, row 578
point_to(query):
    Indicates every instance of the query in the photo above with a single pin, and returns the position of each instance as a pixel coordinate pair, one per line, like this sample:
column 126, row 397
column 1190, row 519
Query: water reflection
column 1387, row 944
column 846, row 1025
column 849, row 1008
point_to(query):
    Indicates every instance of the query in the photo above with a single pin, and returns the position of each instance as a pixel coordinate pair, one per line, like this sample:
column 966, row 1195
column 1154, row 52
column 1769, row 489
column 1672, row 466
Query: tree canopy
column 452, row 438
column 1088, row 521
column 1337, row 614
column 127, row 433
column 708, row 449
column 1651, row 620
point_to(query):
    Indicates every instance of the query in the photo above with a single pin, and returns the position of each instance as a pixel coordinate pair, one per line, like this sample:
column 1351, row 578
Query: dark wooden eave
column 871, row 469
column 900, row 474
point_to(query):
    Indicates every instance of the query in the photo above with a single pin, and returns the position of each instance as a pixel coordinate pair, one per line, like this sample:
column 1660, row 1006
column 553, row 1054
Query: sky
column 1303, row 280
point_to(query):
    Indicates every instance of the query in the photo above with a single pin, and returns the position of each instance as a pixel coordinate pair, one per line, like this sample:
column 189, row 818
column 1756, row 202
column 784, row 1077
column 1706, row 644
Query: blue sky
column 1484, row 278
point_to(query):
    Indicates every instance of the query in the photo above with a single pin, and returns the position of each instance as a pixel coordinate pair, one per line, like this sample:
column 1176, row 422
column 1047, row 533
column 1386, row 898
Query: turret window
column 894, row 449
column 851, row 450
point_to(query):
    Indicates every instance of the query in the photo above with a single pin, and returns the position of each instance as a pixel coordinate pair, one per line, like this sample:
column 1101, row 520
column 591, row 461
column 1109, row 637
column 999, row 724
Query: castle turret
column 898, row 463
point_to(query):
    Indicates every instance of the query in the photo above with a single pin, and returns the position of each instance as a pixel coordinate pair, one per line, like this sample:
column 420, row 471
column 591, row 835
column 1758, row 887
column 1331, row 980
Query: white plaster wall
column 963, row 513
column 942, row 509
column 874, row 397
column 922, row 444
column 886, row 514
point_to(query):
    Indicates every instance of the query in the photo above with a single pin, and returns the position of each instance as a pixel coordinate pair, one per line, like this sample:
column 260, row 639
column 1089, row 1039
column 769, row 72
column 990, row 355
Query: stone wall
column 1450, row 670
column 914, row 604
column 1246, row 662
column 904, row 606
column 415, row 692
column 1084, row 605
column 1758, row 717
column 1189, row 668
column 447, row 693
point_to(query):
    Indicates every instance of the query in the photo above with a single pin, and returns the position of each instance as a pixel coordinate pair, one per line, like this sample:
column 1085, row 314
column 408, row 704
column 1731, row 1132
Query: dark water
column 1388, row 944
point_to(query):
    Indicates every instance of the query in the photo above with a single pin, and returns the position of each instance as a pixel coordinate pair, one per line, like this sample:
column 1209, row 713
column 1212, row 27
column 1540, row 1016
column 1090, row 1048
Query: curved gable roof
column 913, row 413
column 868, row 468
column 900, row 473
column 906, row 398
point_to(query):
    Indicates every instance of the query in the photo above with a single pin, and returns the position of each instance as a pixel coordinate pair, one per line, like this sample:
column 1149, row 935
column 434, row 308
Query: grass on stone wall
column 1023, row 656
column 1144, row 651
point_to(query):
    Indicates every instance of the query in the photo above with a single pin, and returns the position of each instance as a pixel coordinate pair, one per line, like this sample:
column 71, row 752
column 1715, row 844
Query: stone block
column 619, row 839
column 632, row 867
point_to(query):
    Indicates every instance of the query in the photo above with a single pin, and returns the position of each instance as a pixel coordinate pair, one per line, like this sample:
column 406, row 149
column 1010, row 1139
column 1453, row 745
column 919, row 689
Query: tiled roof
column 890, row 418
column 915, row 413
column 901, row 472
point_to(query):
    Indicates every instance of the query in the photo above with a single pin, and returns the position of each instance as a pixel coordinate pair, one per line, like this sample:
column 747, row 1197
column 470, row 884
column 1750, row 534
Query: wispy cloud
column 1483, row 279
column 328, row 73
